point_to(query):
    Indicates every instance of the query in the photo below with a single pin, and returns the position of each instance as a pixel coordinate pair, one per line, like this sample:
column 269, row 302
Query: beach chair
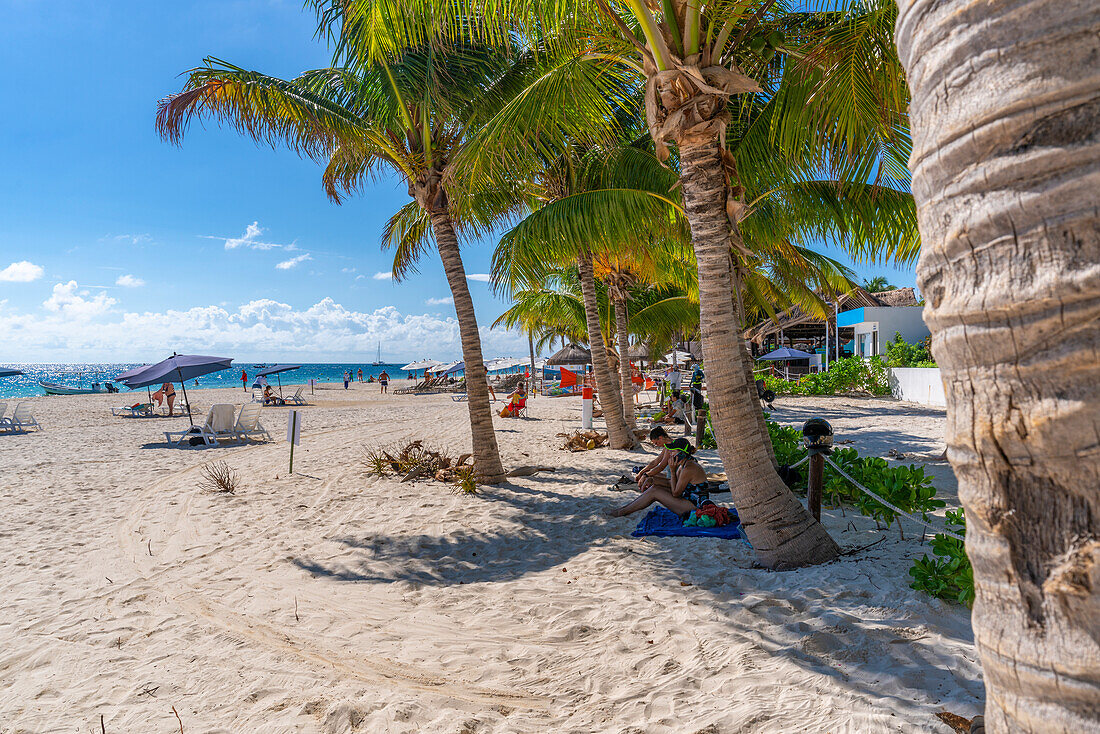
column 138, row 410
column 218, row 424
column 248, row 423
column 297, row 398
column 3, row 410
column 20, row 420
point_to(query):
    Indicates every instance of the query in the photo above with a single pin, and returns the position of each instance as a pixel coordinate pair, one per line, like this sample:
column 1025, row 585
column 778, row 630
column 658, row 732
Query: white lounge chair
column 248, row 424
column 139, row 410
column 218, row 425
column 21, row 419
column 297, row 398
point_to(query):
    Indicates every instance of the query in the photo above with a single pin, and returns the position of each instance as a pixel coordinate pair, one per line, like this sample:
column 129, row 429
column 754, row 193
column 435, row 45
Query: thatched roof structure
column 897, row 297
column 640, row 350
column 571, row 354
column 797, row 325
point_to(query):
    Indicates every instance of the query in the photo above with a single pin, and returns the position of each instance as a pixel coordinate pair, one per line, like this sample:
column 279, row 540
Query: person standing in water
column 360, row 374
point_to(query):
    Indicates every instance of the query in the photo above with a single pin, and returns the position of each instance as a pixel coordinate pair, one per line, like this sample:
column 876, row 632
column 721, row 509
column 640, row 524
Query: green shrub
column 900, row 353
column 851, row 374
column 908, row 487
column 949, row 575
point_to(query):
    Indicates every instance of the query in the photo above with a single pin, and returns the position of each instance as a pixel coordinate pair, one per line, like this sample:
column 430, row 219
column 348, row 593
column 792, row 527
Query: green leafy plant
column 851, row 374
column 900, row 353
column 948, row 575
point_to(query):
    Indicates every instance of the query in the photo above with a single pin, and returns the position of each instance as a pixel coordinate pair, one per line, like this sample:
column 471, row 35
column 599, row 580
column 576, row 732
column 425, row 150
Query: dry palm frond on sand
column 583, row 440
column 418, row 460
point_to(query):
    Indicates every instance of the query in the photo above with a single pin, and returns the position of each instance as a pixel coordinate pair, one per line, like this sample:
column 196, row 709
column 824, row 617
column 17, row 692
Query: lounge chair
column 297, row 398
column 218, row 424
column 21, row 419
column 137, row 410
column 3, row 409
column 248, row 423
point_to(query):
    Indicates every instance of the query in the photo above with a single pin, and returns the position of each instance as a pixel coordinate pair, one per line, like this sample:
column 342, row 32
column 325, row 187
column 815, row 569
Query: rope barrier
column 895, row 508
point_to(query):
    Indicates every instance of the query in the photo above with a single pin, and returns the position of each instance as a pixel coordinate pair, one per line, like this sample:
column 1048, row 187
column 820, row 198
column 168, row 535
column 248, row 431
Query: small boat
column 52, row 388
column 378, row 362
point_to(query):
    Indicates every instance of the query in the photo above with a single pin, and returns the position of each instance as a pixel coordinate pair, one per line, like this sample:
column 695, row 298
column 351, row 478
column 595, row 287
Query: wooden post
column 813, row 492
column 700, row 427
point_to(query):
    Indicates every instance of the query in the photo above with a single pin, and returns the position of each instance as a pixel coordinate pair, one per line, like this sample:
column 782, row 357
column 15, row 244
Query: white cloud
column 293, row 262
column 360, row 277
column 261, row 329
column 440, row 301
column 251, row 240
column 72, row 303
column 347, row 270
column 133, row 239
column 479, row 277
column 21, row 272
column 129, row 281
column 383, row 276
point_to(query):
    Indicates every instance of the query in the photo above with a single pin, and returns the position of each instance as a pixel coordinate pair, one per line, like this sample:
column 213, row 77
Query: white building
column 875, row 326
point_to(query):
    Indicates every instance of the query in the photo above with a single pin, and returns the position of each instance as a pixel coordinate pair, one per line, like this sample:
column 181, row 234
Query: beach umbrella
column 456, row 367
column 444, row 368
column 423, row 364
column 5, row 372
column 276, row 369
column 676, row 357
column 784, row 354
column 181, row 367
column 571, row 354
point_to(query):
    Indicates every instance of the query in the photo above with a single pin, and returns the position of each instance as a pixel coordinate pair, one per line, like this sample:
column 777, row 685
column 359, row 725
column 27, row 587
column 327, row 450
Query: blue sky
column 115, row 246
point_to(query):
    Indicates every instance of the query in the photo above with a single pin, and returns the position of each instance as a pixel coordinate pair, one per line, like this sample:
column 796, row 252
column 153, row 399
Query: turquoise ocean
column 75, row 375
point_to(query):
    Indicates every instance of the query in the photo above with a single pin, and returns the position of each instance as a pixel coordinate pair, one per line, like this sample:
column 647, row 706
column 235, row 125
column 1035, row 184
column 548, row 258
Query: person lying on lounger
column 689, row 490
column 654, row 473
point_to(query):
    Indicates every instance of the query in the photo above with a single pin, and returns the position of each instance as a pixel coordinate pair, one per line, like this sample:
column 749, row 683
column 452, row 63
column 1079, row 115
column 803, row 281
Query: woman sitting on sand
column 689, row 485
column 517, row 401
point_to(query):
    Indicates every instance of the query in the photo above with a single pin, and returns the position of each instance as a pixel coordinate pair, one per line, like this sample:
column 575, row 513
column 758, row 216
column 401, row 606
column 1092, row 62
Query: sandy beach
column 332, row 601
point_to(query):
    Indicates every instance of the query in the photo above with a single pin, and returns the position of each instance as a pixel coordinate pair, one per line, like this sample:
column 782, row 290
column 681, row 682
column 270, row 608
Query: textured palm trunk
column 783, row 533
column 619, row 436
column 621, row 324
column 486, row 454
column 1006, row 170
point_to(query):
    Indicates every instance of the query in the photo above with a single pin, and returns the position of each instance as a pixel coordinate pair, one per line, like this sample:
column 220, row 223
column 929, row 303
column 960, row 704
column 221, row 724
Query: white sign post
column 293, row 433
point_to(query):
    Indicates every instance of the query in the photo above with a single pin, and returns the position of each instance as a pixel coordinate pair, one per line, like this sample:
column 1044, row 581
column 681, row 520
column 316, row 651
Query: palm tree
column 1005, row 173
column 708, row 68
column 410, row 115
column 877, row 284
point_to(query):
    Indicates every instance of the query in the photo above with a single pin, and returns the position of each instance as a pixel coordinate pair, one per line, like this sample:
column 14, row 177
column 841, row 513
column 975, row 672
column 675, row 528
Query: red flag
column 568, row 379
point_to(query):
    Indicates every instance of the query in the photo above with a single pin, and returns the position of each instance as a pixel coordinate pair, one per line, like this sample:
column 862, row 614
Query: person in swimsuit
column 689, row 490
column 168, row 390
column 653, row 474
column 384, row 380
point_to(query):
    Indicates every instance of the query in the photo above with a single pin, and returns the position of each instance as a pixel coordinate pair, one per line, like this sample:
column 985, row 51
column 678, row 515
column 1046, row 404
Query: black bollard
column 817, row 435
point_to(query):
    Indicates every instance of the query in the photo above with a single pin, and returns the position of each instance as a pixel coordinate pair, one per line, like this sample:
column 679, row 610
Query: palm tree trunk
column 486, row 454
column 619, row 436
column 1005, row 174
column 783, row 533
column 531, row 347
column 621, row 324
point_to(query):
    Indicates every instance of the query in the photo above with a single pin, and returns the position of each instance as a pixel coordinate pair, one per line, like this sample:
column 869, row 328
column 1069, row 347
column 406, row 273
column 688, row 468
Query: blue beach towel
column 664, row 522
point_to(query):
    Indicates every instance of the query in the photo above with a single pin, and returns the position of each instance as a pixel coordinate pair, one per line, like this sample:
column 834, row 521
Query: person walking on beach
column 244, row 380
column 347, row 379
column 384, row 380
column 360, row 374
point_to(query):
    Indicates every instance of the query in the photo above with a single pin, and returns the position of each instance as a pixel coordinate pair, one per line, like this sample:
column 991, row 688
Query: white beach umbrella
column 445, row 367
column 423, row 364
column 676, row 357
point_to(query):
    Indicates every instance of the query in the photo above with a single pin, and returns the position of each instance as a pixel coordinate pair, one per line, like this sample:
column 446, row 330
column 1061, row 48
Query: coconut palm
column 877, row 284
column 1005, row 172
column 410, row 115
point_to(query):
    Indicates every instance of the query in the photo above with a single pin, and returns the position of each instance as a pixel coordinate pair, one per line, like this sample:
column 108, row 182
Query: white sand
column 330, row 601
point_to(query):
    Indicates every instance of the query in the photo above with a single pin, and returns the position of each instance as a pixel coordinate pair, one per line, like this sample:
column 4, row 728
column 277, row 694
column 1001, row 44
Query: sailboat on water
column 378, row 361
